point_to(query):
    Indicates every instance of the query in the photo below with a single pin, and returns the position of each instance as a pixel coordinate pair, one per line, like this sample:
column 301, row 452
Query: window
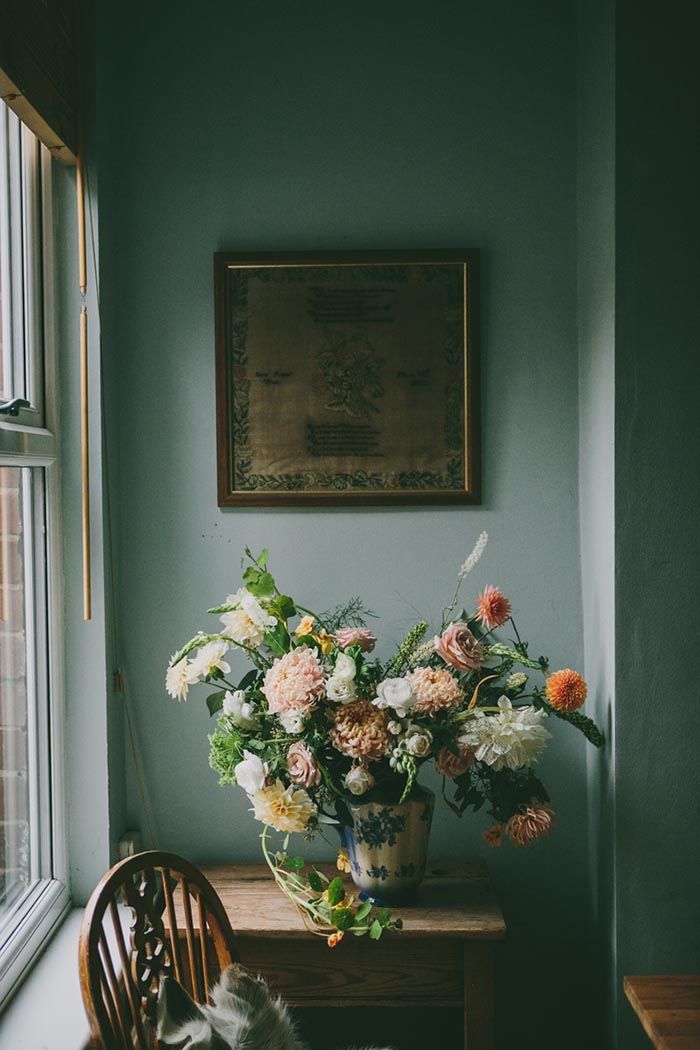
column 33, row 893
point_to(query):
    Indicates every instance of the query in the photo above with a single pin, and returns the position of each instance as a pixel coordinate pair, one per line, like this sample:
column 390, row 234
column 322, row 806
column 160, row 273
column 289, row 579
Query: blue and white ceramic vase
column 388, row 846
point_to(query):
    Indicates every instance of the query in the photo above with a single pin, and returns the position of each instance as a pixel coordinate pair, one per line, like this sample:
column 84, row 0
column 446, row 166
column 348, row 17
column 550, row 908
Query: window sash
column 29, row 441
column 21, row 266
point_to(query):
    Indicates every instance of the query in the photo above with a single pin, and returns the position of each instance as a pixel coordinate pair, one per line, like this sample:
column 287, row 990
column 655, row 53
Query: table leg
column 478, row 997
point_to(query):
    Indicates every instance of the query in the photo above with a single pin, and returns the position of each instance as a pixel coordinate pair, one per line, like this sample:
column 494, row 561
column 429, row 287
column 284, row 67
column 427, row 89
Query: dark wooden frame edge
column 228, row 498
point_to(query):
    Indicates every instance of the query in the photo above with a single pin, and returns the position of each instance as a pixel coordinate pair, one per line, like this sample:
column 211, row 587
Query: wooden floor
column 668, row 1008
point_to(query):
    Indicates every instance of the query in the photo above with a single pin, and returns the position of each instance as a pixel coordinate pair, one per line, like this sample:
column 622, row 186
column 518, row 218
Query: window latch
column 11, row 408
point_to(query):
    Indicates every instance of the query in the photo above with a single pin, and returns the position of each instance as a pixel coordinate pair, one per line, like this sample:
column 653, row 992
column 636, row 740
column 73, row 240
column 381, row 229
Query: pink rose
column 450, row 765
column 302, row 765
column 348, row 636
column 459, row 648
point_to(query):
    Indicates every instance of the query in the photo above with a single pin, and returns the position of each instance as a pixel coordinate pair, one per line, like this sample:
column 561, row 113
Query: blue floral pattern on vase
column 388, row 844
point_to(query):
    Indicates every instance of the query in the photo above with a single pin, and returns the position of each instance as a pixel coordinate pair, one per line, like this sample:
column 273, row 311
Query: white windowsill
column 47, row 1011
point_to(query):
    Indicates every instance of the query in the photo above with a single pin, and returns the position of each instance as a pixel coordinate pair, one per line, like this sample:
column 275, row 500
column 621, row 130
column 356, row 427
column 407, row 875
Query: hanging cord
column 119, row 678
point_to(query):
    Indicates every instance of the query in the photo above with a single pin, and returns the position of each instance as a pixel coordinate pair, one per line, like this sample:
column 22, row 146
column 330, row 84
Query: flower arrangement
column 318, row 723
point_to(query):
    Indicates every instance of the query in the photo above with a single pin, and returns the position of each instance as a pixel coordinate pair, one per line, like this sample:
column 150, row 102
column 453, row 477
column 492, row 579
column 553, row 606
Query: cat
column 244, row 1016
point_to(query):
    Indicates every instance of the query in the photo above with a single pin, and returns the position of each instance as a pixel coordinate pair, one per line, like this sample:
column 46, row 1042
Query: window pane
column 15, row 860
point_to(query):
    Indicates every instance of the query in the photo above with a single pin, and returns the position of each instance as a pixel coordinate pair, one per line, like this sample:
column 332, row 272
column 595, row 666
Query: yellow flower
column 325, row 641
column 286, row 809
column 343, row 861
column 305, row 626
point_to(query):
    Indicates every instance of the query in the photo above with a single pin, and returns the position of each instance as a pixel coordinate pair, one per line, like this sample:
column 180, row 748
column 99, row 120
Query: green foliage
column 353, row 613
column 516, row 656
column 581, row 722
column 225, row 752
column 411, row 769
column 506, row 791
column 406, row 649
column 278, row 639
column 336, row 891
column 215, row 701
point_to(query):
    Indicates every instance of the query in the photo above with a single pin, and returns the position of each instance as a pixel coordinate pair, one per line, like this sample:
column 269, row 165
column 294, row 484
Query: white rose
column 248, row 622
column 396, row 693
column 292, row 722
column 251, row 773
column 358, row 780
column 340, row 690
column 208, row 659
column 345, row 669
column 418, row 742
column 240, row 710
column 394, row 728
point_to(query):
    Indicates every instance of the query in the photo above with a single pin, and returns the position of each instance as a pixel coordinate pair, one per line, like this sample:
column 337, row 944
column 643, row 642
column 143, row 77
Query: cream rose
column 396, row 693
column 358, row 780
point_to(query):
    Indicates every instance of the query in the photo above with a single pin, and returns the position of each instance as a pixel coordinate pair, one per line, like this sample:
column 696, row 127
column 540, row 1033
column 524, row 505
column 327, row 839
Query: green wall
column 272, row 125
column 657, row 453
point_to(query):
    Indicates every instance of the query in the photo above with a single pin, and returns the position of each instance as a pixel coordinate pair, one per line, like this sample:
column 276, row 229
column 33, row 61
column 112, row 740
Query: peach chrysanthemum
column 284, row 808
column 535, row 821
column 566, row 690
column 494, row 836
column 294, row 682
column 360, row 731
column 435, row 688
column 492, row 607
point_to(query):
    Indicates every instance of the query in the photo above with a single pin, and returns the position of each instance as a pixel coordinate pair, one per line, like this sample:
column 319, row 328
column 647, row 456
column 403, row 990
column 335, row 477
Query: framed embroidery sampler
column 345, row 378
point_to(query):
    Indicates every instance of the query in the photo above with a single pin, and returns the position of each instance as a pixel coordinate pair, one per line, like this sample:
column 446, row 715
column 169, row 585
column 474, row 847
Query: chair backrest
column 120, row 972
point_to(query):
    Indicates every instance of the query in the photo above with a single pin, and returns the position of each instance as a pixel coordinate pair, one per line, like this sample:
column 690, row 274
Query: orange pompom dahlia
column 492, row 608
column 566, row 690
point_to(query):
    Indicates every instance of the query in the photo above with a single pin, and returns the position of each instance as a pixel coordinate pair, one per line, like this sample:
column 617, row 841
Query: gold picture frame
column 345, row 378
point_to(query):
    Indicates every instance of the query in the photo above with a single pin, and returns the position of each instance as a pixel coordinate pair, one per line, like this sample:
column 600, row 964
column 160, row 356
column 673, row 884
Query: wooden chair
column 120, row 980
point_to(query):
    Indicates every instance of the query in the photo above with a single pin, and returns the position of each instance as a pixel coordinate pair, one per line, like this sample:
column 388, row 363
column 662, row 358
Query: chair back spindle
column 131, row 937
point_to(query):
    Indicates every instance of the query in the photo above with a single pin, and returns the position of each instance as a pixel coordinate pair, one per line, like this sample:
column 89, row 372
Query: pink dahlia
column 302, row 765
column 348, row 636
column 435, row 688
column 360, row 731
column 459, row 648
column 492, row 608
column 448, row 764
column 295, row 682
column 532, row 823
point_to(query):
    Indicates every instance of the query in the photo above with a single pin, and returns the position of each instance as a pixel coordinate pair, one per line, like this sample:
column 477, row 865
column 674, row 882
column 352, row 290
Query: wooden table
column 442, row 957
column 669, row 1009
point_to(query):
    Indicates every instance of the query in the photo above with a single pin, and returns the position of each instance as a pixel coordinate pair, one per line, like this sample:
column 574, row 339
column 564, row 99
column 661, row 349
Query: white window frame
column 30, row 440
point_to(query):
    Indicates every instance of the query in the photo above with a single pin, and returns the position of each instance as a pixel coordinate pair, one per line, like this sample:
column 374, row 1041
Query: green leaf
column 294, row 863
column 375, row 930
column 283, row 607
column 382, row 915
column 258, row 583
column 342, row 918
column 262, row 557
column 363, row 911
column 215, row 702
column 315, row 881
column 248, row 679
column 336, row 891
column 277, row 639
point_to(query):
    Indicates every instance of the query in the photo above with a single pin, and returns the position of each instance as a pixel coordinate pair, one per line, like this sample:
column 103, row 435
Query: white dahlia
column 513, row 738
